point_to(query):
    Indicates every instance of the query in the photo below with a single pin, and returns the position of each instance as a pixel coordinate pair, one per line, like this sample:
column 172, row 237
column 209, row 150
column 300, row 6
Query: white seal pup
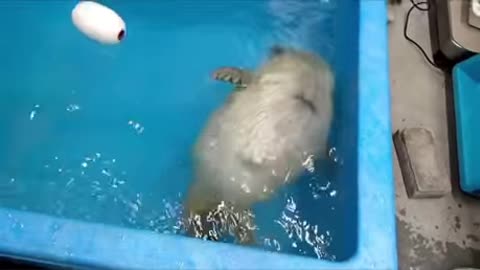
column 276, row 118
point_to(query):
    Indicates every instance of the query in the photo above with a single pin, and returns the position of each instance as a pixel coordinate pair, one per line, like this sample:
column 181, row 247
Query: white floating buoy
column 98, row 22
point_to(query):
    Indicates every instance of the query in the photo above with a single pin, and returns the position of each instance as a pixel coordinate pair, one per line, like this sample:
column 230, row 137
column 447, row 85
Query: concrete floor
column 440, row 233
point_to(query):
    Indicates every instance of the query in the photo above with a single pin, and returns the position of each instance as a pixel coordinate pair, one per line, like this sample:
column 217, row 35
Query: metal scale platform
column 454, row 30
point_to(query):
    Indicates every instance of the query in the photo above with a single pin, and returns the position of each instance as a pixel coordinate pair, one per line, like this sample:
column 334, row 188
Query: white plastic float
column 98, row 22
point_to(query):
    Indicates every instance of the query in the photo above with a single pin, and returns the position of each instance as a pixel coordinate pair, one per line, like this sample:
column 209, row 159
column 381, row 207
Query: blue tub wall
column 363, row 123
column 346, row 121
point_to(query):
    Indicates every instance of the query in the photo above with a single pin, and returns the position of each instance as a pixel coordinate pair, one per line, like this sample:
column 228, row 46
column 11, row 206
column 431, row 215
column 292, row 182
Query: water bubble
column 325, row 187
column 33, row 113
column 73, row 107
column 95, row 183
column 84, row 164
column 333, row 155
column 138, row 201
column 291, row 205
column 317, row 189
column 106, row 172
column 12, row 180
column 17, row 225
column 136, row 126
column 266, row 242
column 309, row 164
column 309, row 240
column 114, row 183
column 287, row 176
column 276, row 245
column 134, row 206
column 245, row 188
column 333, row 193
column 70, row 181
column 303, row 235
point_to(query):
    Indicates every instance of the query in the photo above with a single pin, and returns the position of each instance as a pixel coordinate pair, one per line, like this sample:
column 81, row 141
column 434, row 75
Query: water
column 104, row 133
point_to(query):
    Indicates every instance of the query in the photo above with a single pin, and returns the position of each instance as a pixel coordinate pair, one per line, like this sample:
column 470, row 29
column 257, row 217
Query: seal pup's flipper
column 239, row 77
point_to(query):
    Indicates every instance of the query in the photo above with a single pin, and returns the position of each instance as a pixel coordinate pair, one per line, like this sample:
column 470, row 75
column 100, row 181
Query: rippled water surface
column 105, row 133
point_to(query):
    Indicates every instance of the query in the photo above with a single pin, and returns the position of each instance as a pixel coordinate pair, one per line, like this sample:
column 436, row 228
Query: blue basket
column 466, row 88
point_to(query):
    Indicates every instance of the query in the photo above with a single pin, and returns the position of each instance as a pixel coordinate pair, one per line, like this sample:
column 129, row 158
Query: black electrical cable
column 422, row 6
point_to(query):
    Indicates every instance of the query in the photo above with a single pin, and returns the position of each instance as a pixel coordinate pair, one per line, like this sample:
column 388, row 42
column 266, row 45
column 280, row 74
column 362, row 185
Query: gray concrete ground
column 433, row 234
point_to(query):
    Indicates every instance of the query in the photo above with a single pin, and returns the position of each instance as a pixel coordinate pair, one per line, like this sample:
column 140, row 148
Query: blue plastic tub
column 467, row 101
column 96, row 140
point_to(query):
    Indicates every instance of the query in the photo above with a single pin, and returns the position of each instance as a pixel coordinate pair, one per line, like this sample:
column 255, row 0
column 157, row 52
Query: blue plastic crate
column 466, row 87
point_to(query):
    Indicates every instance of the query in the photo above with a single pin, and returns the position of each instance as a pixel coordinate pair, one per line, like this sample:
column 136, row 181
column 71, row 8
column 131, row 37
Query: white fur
column 259, row 139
